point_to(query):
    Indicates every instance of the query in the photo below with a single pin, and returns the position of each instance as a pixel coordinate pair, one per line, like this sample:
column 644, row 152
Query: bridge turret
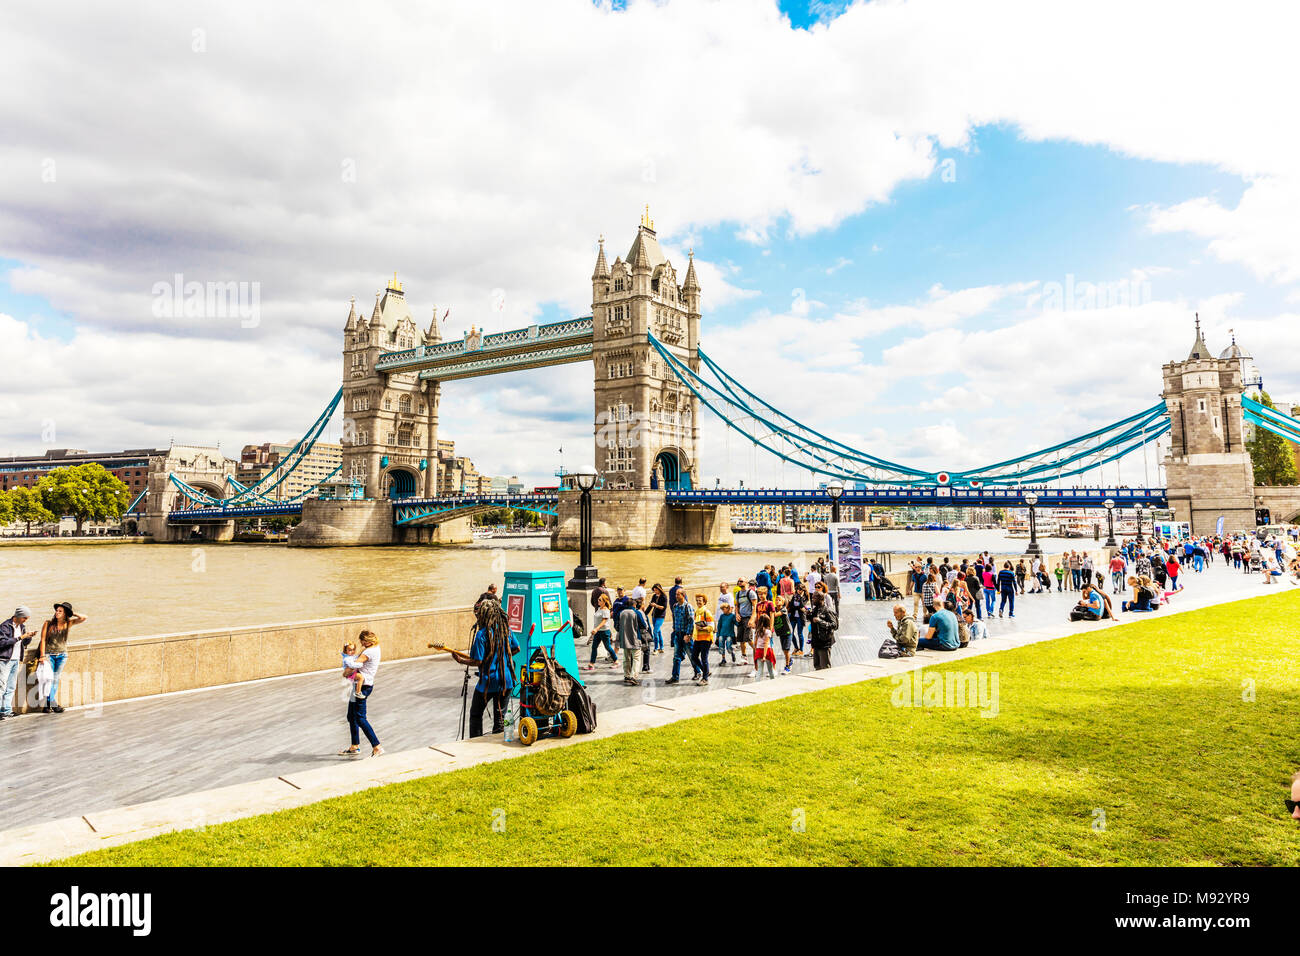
column 1207, row 467
column 351, row 324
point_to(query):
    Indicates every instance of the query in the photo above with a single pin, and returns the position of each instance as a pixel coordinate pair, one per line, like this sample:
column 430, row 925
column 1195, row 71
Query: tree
column 6, row 508
column 28, row 507
column 86, row 492
column 998, row 515
column 1272, row 456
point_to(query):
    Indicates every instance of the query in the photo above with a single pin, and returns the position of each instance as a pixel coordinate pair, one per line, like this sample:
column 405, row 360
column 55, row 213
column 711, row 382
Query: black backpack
column 583, row 708
column 889, row 649
column 553, row 687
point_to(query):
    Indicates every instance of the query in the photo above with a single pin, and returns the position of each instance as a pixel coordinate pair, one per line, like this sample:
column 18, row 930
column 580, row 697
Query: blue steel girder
column 934, row 496
column 553, row 343
column 426, row 511
column 200, row 515
column 517, row 362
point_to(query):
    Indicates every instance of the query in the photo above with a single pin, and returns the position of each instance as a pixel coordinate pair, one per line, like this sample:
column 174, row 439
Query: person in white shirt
column 367, row 663
column 638, row 592
column 813, row 577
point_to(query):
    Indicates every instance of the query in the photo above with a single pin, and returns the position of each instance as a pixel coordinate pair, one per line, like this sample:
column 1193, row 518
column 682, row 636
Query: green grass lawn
column 1147, row 724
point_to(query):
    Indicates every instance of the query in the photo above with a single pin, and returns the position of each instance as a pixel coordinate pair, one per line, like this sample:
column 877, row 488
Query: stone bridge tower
column 647, row 422
column 390, row 419
column 1208, row 469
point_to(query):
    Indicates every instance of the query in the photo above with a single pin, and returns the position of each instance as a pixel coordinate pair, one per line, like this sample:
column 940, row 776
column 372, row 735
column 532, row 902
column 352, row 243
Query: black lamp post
column 835, row 488
column 1110, row 524
column 584, row 575
column 1139, row 520
column 1031, row 499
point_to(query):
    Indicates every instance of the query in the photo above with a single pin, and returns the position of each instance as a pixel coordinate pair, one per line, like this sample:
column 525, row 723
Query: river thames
column 128, row 590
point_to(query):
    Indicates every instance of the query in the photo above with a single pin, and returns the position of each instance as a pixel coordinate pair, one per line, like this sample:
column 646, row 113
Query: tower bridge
column 651, row 382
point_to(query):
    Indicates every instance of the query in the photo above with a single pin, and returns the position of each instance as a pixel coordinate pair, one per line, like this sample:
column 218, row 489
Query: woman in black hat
column 54, row 645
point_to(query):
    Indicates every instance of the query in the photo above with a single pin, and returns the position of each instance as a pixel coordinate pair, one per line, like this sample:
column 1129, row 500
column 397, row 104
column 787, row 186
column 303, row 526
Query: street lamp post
column 835, row 488
column 584, row 575
column 1031, row 499
column 1110, row 524
column 1139, row 520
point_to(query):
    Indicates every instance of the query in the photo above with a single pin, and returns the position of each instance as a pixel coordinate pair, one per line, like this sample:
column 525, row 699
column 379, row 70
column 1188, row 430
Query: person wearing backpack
column 746, row 607
column 824, row 623
column 781, row 627
column 797, row 609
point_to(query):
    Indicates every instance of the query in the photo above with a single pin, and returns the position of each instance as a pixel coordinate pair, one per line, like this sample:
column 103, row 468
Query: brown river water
column 128, row 590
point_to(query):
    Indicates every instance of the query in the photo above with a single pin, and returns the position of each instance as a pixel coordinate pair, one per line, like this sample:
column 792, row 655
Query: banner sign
column 846, row 556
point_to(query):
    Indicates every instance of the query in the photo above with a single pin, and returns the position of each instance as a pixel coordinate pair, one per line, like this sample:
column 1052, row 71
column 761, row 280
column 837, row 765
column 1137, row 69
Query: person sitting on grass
column 943, row 634
column 1091, row 606
column 1144, row 595
column 903, row 630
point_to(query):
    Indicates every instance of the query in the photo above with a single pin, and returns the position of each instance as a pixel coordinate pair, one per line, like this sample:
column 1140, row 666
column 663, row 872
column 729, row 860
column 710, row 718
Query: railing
column 544, row 334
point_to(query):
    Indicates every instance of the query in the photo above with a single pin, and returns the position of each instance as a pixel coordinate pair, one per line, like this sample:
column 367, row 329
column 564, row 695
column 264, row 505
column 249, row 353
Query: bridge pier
column 454, row 531
column 337, row 522
column 632, row 520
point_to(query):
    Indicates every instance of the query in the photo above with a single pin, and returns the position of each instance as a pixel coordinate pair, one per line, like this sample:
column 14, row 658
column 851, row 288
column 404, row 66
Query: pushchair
column 889, row 590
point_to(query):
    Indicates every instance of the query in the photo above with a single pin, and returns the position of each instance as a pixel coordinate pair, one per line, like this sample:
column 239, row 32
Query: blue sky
column 880, row 198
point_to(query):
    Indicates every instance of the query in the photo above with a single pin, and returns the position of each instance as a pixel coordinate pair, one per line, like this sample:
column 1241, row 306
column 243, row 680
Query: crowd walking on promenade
column 744, row 621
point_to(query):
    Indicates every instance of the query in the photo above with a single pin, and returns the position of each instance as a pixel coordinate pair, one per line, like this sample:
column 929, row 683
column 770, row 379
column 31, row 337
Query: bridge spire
column 602, row 267
column 1199, row 348
column 691, row 284
column 351, row 325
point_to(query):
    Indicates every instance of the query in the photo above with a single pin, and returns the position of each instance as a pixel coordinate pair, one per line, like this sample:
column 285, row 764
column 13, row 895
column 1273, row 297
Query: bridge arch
column 671, row 470
column 402, row 482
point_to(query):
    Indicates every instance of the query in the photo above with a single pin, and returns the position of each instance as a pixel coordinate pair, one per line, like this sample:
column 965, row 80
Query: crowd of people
column 744, row 622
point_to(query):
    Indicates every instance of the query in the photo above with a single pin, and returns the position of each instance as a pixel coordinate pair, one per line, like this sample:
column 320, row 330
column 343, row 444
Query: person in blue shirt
column 764, row 581
column 943, row 634
column 683, row 628
column 1007, row 589
column 1091, row 607
column 492, row 652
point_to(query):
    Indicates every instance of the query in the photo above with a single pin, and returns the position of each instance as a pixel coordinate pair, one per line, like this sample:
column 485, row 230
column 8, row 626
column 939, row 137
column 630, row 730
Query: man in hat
column 13, row 645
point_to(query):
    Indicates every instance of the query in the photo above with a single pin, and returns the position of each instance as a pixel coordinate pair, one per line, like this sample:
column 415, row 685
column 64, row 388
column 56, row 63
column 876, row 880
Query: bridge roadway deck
column 55, row 766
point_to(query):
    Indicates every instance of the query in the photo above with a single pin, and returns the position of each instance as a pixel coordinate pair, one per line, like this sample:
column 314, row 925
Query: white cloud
column 1259, row 233
column 316, row 149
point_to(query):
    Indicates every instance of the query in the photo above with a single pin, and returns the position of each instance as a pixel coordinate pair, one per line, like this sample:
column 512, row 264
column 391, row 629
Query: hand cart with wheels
column 533, row 722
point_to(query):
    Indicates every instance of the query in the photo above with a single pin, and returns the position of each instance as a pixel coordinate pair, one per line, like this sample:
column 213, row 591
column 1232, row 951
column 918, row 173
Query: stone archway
column 668, row 473
column 403, row 482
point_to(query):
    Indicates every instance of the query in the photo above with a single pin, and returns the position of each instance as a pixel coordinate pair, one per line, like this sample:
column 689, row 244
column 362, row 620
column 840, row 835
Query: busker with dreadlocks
column 492, row 653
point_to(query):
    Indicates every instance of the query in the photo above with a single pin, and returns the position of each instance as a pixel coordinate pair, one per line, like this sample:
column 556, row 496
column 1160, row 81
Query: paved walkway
column 79, row 762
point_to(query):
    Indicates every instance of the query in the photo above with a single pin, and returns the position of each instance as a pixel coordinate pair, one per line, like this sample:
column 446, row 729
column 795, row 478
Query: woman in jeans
column 658, row 608
column 54, row 645
column 603, row 634
column 797, row 607
column 367, row 662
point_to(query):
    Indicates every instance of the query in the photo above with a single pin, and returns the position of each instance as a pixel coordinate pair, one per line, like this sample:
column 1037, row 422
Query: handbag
column 889, row 649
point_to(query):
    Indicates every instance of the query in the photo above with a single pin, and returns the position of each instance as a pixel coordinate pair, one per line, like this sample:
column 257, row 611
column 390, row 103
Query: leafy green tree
column 6, row 508
column 998, row 514
column 87, row 492
column 28, row 507
column 1272, row 456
